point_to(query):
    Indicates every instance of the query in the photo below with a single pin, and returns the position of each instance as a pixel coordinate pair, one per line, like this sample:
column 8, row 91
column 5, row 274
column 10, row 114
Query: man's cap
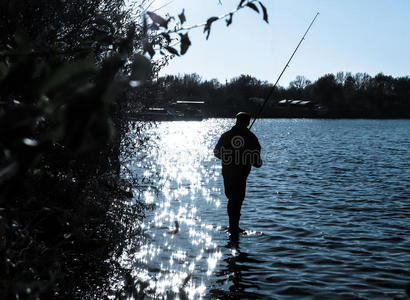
column 243, row 117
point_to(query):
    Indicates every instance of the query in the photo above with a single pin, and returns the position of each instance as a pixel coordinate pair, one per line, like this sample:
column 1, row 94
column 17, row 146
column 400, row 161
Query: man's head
column 243, row 119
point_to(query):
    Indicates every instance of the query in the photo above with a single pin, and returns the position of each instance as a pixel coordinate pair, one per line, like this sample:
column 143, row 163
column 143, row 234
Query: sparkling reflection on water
column 326, row 216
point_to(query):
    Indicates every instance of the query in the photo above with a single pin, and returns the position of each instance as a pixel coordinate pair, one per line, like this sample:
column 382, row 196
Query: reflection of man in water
column 239, row 150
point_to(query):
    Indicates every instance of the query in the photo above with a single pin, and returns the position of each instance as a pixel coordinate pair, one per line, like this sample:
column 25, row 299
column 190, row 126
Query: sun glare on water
column 179, row 254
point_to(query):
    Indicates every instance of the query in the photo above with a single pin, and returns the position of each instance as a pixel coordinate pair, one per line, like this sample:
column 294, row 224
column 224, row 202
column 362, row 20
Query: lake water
column 327, row 216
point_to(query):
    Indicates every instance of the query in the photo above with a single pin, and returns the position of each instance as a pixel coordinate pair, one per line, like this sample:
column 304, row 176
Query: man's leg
column 235, row 187
column 240, row 196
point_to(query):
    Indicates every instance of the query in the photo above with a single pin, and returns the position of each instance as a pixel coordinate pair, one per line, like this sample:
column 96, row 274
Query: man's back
column 238, row 149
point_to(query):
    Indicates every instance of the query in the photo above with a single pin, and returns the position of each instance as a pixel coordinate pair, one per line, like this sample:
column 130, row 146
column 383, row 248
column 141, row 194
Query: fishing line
column 283, row 71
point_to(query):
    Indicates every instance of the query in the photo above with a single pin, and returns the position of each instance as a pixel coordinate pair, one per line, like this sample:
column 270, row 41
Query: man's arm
column 257, row 161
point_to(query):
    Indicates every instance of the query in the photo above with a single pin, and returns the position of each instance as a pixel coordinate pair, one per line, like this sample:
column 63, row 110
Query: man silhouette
column 239, row 150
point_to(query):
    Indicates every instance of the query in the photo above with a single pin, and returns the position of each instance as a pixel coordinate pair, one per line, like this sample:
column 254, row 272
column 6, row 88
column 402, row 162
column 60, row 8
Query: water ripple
column 326, row 216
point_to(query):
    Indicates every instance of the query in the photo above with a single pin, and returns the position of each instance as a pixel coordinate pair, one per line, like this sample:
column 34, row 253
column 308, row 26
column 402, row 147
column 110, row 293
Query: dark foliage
column 64, row 208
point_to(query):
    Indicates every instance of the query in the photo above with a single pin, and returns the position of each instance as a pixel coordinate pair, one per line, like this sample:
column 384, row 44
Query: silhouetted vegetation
column 336, row 96
column 64, row 207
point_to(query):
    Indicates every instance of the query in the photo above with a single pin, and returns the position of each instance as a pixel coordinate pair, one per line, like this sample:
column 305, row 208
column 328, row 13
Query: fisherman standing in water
column 239, row 150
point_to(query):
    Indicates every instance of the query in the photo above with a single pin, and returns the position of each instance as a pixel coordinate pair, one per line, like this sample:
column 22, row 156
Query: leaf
column 185, row 43
column 4, row 69
column 154, row 27
column 265, row 13
column 181, row 17
column 30, row 142
column 172, row 50
column 8, row 171
column 240, row 3
column 253, row 6
column 229, row 20
column 208, row 24
column 144, row 26
column 167, row 37
column 147, row 47
column 141, row 68
column 157, row 19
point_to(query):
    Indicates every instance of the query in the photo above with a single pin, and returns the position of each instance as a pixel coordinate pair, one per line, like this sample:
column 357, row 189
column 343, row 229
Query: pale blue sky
column 369, row 36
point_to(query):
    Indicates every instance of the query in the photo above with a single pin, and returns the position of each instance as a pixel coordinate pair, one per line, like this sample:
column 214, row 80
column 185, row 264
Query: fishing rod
column 283, row 71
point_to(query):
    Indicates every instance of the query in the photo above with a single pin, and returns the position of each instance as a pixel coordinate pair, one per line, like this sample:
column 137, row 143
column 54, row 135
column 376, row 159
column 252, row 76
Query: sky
column 369, row 36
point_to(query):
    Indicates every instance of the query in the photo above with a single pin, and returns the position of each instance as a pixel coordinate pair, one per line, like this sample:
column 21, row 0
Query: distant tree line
column 343, row 95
